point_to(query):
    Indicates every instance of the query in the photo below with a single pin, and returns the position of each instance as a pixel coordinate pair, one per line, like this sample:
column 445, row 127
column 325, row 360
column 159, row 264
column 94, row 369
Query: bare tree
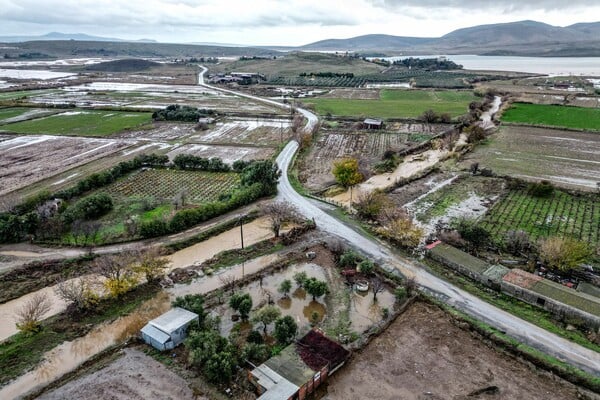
column 377, row 286
column 30, row 314
column 411, row 285
column 86, row 230
column 228, row 282
column 117, row 271
column 78, row 292
column 278, row 214
column 151, row 263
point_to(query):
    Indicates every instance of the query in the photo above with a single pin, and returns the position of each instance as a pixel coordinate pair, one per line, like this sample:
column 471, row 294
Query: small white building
column 169, row 330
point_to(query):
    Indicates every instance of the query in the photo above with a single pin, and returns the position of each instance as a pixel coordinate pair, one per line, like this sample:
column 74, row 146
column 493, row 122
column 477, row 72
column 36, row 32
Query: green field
column 398, row 104
column 81, row 123
column 553, row 115
column 6, row 113
column 25, row 93
column 560, row 214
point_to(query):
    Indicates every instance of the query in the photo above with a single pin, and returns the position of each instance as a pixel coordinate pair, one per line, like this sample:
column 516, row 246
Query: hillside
column 514, row 38
column 294, row 64
column 74, row 48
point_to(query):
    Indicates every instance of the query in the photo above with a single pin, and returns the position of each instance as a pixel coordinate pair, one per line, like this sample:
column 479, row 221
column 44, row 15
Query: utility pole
column 242, row 231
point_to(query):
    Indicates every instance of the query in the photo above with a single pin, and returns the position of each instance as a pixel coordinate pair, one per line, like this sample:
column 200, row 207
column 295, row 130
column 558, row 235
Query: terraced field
column 561, row 214
column 164, row 184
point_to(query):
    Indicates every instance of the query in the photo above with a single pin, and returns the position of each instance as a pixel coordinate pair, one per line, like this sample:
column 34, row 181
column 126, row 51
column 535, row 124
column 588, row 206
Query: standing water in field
column 69, row 355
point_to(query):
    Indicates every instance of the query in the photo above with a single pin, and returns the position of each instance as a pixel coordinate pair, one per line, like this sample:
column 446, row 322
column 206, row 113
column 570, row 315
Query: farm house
column 371, row 123
column 168, row 330
column 299, row 369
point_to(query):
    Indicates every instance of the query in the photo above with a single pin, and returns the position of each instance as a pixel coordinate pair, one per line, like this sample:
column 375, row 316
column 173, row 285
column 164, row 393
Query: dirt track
column 422, row 355
column 133, row 376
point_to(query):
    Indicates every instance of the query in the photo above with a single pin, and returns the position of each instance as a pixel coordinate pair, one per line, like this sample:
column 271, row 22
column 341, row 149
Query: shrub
column 541, row 189
column 349, row 259
column 255, row 337
column 90, row 207
column 366, row 267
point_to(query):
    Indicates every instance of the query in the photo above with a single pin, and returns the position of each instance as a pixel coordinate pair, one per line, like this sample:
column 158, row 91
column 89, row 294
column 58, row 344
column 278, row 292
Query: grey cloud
column 507, row 6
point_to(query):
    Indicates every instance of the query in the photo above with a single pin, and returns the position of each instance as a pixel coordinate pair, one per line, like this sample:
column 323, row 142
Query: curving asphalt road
column 515, row 327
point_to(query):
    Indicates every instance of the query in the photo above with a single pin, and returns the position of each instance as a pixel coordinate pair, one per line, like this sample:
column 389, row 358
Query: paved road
column 525, row 332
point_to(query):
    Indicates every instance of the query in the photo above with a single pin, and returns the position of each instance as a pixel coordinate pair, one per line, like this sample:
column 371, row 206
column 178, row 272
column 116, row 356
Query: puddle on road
column 69, row 355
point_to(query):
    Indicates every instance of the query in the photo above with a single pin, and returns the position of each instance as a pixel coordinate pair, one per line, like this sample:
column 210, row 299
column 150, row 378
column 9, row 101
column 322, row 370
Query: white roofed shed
column 168, row 330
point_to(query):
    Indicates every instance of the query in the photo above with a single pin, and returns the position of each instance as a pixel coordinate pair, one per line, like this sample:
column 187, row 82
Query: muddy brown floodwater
column 423, row 355
column 254, row 232
column 69, row 355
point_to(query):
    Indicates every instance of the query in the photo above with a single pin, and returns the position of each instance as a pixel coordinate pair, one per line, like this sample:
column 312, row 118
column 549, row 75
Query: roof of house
column 156, row 334
column 554, row 291
column 289, row 365
column 456, row 256
column 173, row 319
column 317, row 350
column 277, row 387
column 373, row 121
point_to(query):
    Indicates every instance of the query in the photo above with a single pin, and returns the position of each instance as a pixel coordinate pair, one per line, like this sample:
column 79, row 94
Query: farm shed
column 299, row 369
column 371, row 123
column 168, row 330
column 554, row 297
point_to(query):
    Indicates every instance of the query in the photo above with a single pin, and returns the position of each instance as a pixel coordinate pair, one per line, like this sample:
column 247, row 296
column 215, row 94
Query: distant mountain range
column 522, row 38
column 515, row 38
column 67, row 36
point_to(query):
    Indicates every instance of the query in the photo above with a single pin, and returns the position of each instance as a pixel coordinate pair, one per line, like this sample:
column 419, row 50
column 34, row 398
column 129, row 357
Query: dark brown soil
column 423, row 355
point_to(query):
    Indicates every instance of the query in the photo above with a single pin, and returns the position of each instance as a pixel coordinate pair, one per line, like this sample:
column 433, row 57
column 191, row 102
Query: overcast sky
column 262, row 22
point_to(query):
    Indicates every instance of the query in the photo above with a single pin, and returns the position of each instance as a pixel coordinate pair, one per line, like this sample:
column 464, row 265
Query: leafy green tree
column 264, row 172
column 266, row 315
column 255, row 337
column 366, row 267
column 213, row 354
column 471, row 231
column 349, row 259
column 256, row 352
column 241, row 303
column 285, row 330
column 315, row 287
column 285, row 287
column 90, row 207
column 346, row 172
column 300, row 278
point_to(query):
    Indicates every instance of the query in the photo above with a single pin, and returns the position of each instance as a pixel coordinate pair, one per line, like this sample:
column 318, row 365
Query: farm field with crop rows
column 164, row 184
column 554, row 115
column 398, row 104
column 560, row 214
column 81, row 123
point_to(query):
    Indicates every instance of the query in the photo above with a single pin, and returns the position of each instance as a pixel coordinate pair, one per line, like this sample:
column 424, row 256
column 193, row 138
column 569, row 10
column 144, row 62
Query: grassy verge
column 229, row 258
column 554, row 115
column 21, row 352
column 527, row 312
column 541, row 360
